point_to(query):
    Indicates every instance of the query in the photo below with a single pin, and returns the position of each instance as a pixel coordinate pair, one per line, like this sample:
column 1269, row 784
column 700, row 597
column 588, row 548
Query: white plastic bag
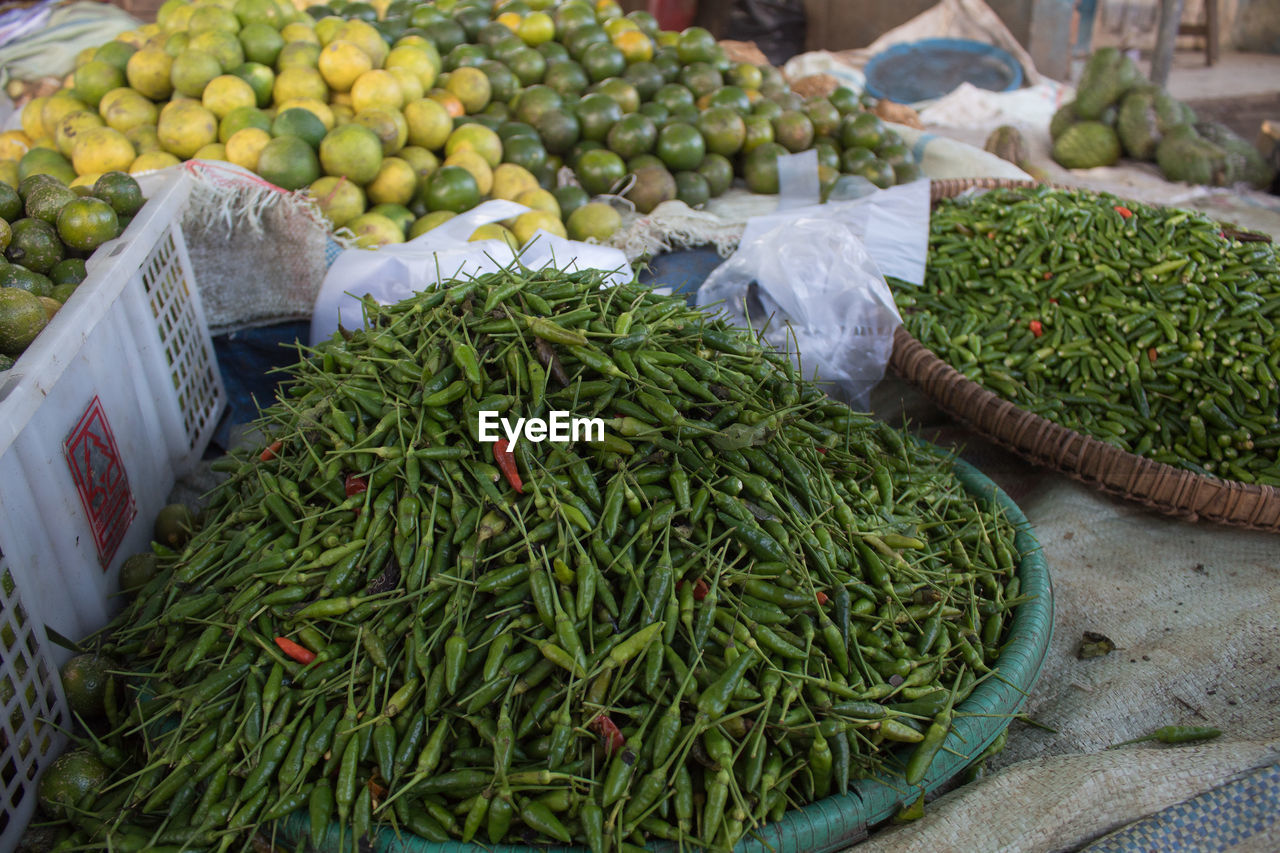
column 395, row 272
column 813, row 286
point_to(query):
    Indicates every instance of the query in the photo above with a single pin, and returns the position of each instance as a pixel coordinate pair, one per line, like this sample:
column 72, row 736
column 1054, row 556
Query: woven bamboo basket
column 1164, row 488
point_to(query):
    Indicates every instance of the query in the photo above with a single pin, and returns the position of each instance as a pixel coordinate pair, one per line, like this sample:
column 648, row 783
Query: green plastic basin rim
column 840, row 820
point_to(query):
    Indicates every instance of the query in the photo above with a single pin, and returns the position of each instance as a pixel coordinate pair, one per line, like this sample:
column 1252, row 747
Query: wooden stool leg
column 1210, row 31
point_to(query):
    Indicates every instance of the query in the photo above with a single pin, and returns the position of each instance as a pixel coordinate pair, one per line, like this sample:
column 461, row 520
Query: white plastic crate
column 118, row 396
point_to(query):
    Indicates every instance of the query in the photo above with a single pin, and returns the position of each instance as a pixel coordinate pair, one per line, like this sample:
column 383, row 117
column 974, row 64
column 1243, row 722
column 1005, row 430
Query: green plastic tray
column 841, row 820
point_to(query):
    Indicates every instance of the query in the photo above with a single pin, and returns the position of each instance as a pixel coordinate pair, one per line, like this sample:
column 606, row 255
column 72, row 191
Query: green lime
column 673, row 95
column 68, row 271
column 824, row 117
column 503, row 85
column 570, row 197
column 863, row 130
column 567, row 78
column 718, row 171
column 681, row 146
column 723, row 130
column 602, row 60
column 84, row 682
column 10, row 203
column 529, row 66
column 87, row 223
column 732, row 97
column 597, row 114
column 853, row 160
column 289, row 162
column 34, row 245
column 761, row 168
column 22, row 318
column 701, row 79
column 68, row 780
column 845, row 100
column 645, row 77
column 62, row 292
column 905, row 173
column 793, row 130
column 173, row 526
column 653, row 185
column 594, row 221
column 536, row 100
column 878, row 172
column 21, row 278
column 121, row 191
column 696, row 44
column 600, row 171
column 450, row 188
column 560, row 131
column 525, row 151
column 632, row 136
column 47, row 202
column 301, row 123
column 692, row 188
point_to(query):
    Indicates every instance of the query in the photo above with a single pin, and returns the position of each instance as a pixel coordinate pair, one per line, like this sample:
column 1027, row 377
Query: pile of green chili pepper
column 1152, row 329
column 736, row 603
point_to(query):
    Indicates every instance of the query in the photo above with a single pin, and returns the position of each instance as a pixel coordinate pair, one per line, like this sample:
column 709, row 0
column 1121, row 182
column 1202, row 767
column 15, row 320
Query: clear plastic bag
column 811, row 284
column 395, row 272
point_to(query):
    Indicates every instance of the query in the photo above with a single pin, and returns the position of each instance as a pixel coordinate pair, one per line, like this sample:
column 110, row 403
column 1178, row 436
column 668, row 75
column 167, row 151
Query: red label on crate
column 101, row 480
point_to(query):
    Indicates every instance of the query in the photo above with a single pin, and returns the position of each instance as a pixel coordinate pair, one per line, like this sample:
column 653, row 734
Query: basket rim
column 1164, row 488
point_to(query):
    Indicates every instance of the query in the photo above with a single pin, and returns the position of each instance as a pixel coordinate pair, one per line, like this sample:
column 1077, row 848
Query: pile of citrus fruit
column 46, row 231
column 396, row 116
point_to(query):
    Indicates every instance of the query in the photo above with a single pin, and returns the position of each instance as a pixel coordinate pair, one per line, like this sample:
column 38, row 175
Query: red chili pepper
column 1048, row 276
column 822, row 450
column 613, row 739
column 822, row 598
column 1152, row 355
column 1053, row 300
column 354, row 485
column 1123, row 211
column 1036, row 328
column 302, row 655
column 507, row 463
column 700, row 589
column 272, row 449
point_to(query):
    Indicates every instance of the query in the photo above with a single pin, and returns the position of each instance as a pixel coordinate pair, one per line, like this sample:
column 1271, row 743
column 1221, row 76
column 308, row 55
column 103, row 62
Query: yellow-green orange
column 22, row 318
column 376, row 89
column 341, row 63
column 245, row 146
column 86, row 223
column 192, row 70
column 395, row 183
column 374, row 229
column 185, row 127
column 429, row 123
column 477, row 138
column 389, row 125
column 127, row 110
column 528, row 224
column 339, row 199
column 353, row 151
column 288, row 162
column 510, row 180
column 71, row 126
column 73, row 774
column 102, row 149
column 425, row 223
column 226, row 93
column 95, row 78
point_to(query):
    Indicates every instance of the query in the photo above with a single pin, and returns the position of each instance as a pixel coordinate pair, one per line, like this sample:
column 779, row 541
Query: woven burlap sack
column 259, row 252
